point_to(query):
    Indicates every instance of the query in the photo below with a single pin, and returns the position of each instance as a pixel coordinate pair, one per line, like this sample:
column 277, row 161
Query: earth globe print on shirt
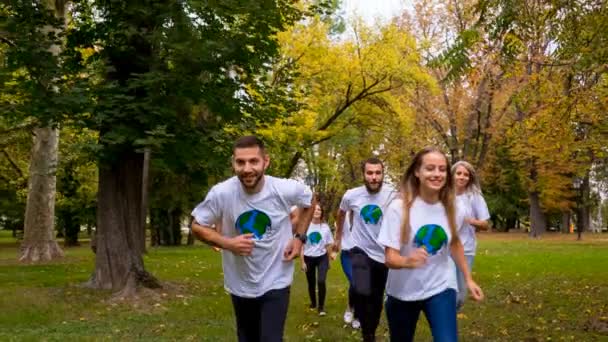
column 432, row 237
column 253, row 221
column 314, row 238
column 371, row 214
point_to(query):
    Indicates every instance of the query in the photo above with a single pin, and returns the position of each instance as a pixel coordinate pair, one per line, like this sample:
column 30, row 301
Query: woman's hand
column 417, row 258
column 475, row 290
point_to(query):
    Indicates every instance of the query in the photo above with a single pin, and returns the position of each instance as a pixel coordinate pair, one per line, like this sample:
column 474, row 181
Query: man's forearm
column 208, row 235
column 339, row 226
column 304, row 219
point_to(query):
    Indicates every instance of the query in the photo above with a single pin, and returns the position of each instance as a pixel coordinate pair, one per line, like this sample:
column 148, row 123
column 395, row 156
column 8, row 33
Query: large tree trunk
column 38, row 241
column 119, row 264
column 538, row 223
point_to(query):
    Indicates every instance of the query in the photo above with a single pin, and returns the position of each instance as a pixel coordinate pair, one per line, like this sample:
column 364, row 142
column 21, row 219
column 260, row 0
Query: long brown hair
column 410, row 189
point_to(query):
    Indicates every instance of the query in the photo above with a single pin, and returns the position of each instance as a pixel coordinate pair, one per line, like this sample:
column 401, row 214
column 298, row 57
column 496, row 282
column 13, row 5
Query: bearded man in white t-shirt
column 258, row 247
column 367, row 204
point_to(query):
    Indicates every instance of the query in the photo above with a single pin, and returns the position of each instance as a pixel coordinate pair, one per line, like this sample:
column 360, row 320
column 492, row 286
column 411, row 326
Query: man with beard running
column 256, row 240
column 367, row 204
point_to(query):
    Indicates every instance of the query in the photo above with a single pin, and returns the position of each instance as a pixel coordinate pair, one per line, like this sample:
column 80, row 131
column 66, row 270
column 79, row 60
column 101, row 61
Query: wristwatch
column 300, row 237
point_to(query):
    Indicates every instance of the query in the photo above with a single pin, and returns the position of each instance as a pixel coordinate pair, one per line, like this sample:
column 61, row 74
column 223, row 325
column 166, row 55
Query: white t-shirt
column 473, row 206
column 318, row 236
column 368, row 211
column 429, row 228
column 347, row 242
column 266, row 215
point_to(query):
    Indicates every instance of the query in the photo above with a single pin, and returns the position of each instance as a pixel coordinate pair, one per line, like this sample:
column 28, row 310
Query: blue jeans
column 440, row 312
column 462, row 284
column 347, row 267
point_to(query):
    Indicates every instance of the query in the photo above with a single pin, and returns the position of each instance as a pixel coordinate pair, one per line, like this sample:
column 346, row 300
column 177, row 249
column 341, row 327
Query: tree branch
column 13, row 163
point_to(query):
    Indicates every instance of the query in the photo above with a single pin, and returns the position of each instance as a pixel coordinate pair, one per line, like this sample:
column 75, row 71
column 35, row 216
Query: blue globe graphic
column 314, row 238
column 371, row 214
column 432, row 237
column 253, row 221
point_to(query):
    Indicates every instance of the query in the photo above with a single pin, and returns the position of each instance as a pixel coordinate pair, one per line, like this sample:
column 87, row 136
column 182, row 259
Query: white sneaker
column 348, row 317
column 356, row 324
column 322, row 313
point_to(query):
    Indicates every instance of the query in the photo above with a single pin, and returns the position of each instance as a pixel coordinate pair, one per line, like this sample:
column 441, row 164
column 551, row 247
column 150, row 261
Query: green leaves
column 456, row 59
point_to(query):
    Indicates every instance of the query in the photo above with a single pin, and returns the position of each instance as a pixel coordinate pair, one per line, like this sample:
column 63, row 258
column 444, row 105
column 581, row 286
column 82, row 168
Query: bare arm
column 293, row 217
column 208, row 235
column 339, row 229
column 302, row 262
column 479, row 224
column 295, row 245
column 457, row 252
column 304, row 218
column 241, row 244
column 394, row 259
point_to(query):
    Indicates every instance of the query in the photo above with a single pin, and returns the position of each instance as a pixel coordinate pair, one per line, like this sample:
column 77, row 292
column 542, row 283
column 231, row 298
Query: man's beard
column 258, row 178
column 369, row 188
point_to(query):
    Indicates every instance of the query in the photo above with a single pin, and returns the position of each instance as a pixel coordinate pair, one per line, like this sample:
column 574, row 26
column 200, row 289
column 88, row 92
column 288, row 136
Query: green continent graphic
column 314, row 238
column 371, row 214
column 432, row 237
column 253, row 221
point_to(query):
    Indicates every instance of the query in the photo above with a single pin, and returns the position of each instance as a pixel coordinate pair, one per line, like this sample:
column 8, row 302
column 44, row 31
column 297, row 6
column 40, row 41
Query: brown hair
column 248, row 141
column 410, row 189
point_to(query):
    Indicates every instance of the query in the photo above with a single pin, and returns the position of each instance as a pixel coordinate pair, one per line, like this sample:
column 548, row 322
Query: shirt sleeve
column 208, row 212
column 460, row 214
column 480, row 208
column 345, row 203
column 390, row 228
column 300, row 194
column 329, row 239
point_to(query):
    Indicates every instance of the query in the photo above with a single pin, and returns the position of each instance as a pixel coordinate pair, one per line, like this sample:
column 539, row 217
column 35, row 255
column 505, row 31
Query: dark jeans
column 440, row 312
column 369, row 281
column 261, row 319
column 347, row 267
column 316, row 265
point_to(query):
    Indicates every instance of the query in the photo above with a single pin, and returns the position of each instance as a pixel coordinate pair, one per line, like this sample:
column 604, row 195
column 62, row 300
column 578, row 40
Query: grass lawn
column 554, row 289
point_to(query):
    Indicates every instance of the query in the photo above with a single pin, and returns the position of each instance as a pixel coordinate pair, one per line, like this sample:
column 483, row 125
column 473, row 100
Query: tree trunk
column 144, row 196
column 71, row 226
column 119, row 264
column 176, row 227
column 38, row 241
column 538, row 223
column 586, row 205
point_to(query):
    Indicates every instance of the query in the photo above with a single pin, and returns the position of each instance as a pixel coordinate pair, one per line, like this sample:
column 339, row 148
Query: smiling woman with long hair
column 419, row 233
column 476, row 216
